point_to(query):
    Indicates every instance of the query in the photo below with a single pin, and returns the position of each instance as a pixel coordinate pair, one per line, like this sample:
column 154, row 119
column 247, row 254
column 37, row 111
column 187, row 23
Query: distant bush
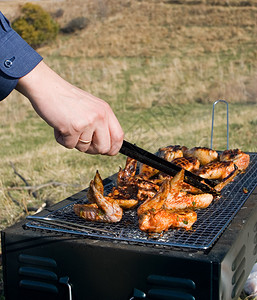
column 76, row 24
column 35, row 25
column 58, row 14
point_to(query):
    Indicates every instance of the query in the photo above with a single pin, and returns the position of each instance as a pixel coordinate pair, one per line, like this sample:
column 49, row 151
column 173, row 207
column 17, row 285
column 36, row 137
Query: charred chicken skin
column 171, row 152
column 187, row 163
column 140, row 186
column 126, row 175
column 125, row 193
column 238, row 157
column 216, row 170
column 147, row 172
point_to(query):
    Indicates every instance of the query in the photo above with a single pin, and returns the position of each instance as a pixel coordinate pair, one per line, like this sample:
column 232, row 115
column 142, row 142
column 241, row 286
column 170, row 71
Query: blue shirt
column 17, row 58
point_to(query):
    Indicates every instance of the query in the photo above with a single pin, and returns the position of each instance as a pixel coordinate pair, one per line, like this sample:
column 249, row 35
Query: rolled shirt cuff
column 17, row 58
column 7, row 84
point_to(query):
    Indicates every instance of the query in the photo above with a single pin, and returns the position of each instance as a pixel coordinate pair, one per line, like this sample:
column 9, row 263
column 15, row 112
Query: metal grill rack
column 210, row 224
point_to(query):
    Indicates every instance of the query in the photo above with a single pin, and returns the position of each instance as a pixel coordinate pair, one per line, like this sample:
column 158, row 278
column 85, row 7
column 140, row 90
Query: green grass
column 161, row 82
column 41, row 160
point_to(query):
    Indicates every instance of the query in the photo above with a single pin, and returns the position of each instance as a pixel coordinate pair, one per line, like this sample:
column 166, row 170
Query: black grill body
column 40, row 264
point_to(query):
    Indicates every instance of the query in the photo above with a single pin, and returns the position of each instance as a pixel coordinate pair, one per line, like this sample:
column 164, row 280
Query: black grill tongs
column 167, row 167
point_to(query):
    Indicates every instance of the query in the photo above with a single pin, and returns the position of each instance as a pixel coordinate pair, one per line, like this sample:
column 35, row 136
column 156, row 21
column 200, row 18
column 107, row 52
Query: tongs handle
column 165, row 166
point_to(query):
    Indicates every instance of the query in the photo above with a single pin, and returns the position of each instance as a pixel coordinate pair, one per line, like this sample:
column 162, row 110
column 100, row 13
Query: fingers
column 90, row 126
column 105, row 137
column 108, row 138
column 117, row 136
column 84, row 139
column 83, row 144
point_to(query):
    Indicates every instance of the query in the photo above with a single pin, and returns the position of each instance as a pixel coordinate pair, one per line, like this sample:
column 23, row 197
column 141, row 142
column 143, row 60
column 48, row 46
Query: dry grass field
column 160, row 65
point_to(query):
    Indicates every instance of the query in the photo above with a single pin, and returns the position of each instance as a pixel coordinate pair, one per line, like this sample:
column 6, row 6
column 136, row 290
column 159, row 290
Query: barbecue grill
column 57, row 255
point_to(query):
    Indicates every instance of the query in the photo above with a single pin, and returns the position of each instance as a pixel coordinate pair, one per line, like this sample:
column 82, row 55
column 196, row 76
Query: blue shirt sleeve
column 17, row 58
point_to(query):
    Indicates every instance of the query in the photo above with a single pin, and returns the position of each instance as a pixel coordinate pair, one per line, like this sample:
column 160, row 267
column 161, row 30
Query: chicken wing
column 126, row 175
column 216, row 170
column 238, row 157
column 169, row 207
column 179, row 199
column 157, row 201
column 203, row 154
column 147, row 172
column 187, row 163
column 98, row 183
column 183, row 201
column 171, row 152
column 102, row 210
column 163, row 219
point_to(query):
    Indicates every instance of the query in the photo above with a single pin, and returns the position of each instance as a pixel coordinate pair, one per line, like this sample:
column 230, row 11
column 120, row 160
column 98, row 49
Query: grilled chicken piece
column 171, row 152
column 102, row 210
column 157, row 201
column 125, row 203
column 238, row 157
column 126, row 181
column 90, row 212
column 125, row 196
column 177, row 199
column 126, row 175
column 98, row 183
column 147, row 188
column 216, row 170
column 147, row 172
column 121, row 195
column 140, row 186
column 162, row 220
column 171, row 196
column 109, row 208
column 183, row 201
column 226, row 180
column 187, row 163
column 169, row 207
column 186, row 187
column 203, row 154
column 123, row 192
column 141, row 191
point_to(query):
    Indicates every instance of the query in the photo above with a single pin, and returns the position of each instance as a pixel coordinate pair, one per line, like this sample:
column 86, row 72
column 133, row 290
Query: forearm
column 73, row 113
column 53, row 98
column 42, row 86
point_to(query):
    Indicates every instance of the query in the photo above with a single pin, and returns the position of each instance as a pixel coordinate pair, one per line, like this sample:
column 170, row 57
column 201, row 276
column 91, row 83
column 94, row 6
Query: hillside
column 198, row 51
column 160, row 64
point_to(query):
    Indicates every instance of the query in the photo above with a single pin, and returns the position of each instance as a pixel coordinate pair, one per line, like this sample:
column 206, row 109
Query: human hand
column 73, row 113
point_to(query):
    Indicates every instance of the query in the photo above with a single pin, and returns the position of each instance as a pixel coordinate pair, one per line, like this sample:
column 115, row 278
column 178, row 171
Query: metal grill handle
column 212, row 125
column 65, row 281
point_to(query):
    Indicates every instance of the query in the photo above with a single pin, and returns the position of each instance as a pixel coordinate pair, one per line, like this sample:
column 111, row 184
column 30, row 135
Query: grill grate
column 211, row 222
